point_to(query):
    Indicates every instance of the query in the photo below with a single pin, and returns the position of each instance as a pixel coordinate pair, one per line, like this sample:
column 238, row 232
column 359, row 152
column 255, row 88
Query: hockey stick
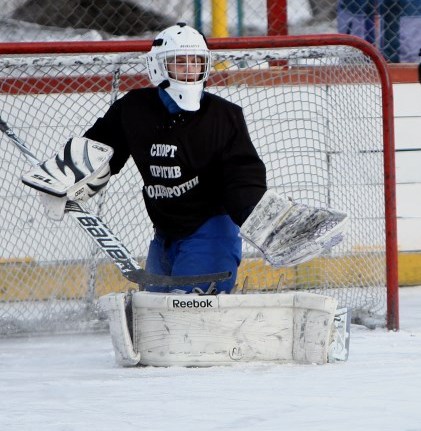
column 109, row 243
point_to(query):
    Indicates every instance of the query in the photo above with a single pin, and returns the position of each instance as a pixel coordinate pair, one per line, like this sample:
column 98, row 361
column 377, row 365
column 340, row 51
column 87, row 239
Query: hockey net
column 318, row 112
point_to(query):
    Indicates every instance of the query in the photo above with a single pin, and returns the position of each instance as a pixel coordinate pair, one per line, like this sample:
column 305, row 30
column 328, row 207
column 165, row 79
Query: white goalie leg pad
column 195, row 330
column 113, row 305
column 288, row 233
column 340, row 336
column 77, row 171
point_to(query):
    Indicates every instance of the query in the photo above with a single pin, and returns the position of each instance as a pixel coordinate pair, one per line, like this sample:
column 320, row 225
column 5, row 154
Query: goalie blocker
column 77, row 172
column 206, row 330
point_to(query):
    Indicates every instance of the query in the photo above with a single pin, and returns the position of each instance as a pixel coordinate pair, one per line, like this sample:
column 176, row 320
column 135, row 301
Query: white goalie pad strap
column 77, row 171
column 207, row 330
column 288, row 233
column 113, row 305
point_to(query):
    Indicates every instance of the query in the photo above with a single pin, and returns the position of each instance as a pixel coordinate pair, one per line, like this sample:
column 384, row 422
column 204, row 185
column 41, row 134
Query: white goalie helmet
column 179, row 62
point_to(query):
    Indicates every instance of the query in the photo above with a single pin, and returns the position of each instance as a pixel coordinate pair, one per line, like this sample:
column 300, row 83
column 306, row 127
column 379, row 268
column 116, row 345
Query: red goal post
column 320, row 112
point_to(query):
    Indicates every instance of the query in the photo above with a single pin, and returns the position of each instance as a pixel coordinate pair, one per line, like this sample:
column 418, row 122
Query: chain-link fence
column 394, row 26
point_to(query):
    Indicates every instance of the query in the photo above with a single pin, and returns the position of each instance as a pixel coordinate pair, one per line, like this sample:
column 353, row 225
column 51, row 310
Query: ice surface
column 72, row 383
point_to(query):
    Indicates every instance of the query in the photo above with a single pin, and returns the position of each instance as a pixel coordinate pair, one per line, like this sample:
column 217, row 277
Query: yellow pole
column 219, row 18
column 220, row 25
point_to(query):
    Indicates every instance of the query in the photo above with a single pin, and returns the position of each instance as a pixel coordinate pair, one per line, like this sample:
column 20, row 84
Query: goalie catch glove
column 77, row 172
column 288, row 233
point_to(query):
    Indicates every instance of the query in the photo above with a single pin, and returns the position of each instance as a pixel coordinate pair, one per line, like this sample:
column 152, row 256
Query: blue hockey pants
column 213, row 247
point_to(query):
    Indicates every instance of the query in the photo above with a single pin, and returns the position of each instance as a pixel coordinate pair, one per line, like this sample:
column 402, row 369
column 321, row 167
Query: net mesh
column 314, row 115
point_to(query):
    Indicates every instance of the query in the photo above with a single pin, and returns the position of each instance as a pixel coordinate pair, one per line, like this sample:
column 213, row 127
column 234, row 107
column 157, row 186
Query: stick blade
column 144, row 279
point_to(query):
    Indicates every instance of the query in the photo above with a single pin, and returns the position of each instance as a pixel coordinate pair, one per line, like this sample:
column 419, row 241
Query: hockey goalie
column 205, row 192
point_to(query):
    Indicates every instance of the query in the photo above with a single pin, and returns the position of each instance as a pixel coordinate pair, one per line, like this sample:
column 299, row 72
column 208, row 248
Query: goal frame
column 392, row 288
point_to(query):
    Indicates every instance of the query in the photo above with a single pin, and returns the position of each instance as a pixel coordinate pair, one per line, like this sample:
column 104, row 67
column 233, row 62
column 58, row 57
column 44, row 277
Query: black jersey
column 194, row 164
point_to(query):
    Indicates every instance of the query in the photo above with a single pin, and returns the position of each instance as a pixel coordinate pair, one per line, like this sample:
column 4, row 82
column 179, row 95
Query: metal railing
column 393, row 26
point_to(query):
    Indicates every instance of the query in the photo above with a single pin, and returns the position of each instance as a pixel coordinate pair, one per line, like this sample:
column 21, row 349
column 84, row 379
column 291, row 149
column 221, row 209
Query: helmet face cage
column 187, row 67
column 179, row 62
